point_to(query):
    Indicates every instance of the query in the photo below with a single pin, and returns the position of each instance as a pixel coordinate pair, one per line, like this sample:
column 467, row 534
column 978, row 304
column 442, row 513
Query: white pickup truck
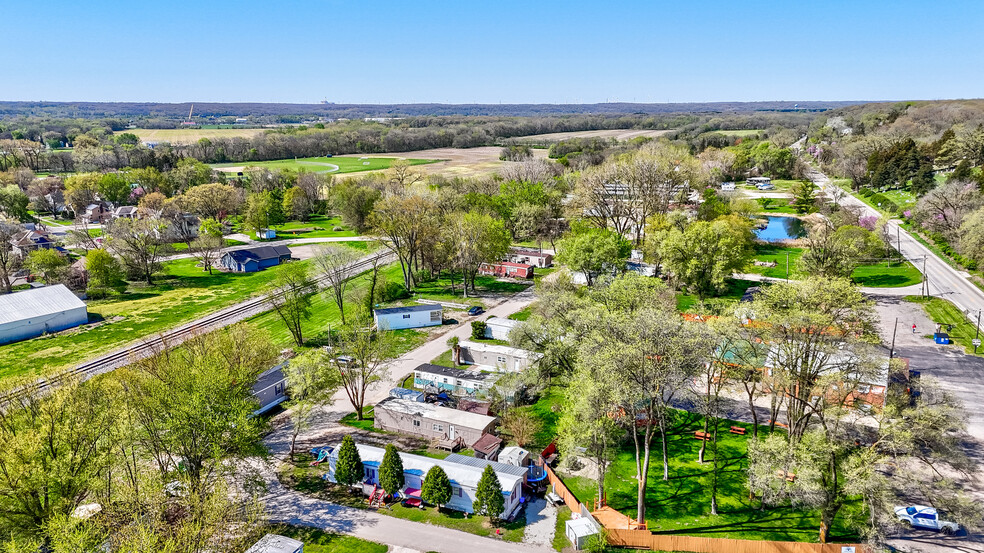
column 920, row 516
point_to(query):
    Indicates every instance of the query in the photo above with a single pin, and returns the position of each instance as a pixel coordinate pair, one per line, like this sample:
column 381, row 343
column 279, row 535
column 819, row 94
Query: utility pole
column 787, row 266
column 977, row 333
column 891, row 352
column 925, row 279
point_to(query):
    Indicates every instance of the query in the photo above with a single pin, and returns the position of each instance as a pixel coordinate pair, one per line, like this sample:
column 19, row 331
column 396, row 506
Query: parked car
column 476, row 310
column 925, row 517
column 766, row 187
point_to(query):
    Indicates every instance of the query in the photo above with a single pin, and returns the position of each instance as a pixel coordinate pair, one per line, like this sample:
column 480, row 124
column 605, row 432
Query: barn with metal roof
column 38, row 311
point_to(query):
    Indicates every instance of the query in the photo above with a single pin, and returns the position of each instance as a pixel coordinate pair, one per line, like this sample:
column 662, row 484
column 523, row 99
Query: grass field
column 743, row 133
column 317, row 541
column 876, row 274
column 335, row 165
column 323, row 228
column 681, row 505
column 735, row 290
column 944, row 312
column 183, row 293
column 188, row 136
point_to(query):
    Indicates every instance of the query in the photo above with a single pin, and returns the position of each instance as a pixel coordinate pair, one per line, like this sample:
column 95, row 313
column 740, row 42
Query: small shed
column 411, row 395
column 273, row 543
column 516, row 456
column 498, row 328
column 579, row 531
column 487, row 447
column 266, row 234
column 413, row 316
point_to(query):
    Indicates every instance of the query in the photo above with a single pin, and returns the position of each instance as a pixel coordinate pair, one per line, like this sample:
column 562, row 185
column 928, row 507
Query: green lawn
column 681, row 505
column 878, row 274
column 183, row 293
column 334, row 165
column 367, row 422
column 440, row 289
column 560, row 540
column 181, row 247
column 547, row 411
column 779, row 205
column 735, row 290
column 318, row 541
column 443, row 360
column 944, row 312
column 522, row 314
column 777, row 254
column 323, row 228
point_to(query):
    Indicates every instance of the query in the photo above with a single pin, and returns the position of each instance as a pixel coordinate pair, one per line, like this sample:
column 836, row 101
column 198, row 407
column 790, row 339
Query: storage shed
column 498, row 328
column 40, row 310
column 251, row 260
column 273, row 543
column 579, row 531
column 515, row 456
column 413, row 316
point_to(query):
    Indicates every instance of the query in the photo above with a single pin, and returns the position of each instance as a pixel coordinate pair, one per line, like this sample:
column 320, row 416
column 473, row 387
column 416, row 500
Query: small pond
column 781, row 228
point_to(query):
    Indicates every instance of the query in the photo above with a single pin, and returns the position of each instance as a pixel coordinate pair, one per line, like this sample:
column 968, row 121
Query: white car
column 921, row 516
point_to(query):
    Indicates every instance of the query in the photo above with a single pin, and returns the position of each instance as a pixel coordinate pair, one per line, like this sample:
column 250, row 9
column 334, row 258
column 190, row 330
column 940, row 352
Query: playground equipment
column 321, row 454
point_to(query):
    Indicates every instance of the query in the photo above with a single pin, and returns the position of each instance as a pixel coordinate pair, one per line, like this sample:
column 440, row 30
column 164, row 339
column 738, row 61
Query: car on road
column 476, row 310
column 921, row 516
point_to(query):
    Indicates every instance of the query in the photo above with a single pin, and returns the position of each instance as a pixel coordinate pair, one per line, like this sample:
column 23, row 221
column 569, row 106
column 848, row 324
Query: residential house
column 506, row 269
column 98, row 213
column 456, row 381
column 494, row 356
column 26, row 242
column 529, row 257
column 251, row 260
column 464, row 478
column 181, row 228
column 125, row 212
column 270, row 389
column 412, row 316
column 499, row 328
column 451, row 428
column 39, row 311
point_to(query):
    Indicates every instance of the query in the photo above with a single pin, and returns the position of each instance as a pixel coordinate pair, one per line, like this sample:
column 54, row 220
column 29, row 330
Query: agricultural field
column 183, row 293
column 335, row 164
column 618, row 134
column 188, row 136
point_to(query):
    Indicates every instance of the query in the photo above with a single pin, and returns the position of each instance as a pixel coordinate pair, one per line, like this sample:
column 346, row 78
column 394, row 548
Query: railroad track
column 167, row 339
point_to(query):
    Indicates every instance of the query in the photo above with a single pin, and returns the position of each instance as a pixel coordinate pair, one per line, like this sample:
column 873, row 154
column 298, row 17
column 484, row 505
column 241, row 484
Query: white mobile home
column 494, row 356
column 273, row 543
column 40, row 310
column 459, row 382
column 414, row 316
column 464, row 478
column 498, row 328
column 449, row 427
column 270, row 389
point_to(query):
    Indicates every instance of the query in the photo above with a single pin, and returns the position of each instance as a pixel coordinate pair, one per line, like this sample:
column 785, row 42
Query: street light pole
column 977, row 332
column 891, row 353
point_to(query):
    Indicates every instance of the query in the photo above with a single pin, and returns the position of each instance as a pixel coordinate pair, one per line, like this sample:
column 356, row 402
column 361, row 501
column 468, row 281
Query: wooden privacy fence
column 643, row 539
column 561, row 489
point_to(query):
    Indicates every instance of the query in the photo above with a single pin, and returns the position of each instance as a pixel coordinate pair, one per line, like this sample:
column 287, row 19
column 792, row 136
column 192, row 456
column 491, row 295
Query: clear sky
column 490, row 51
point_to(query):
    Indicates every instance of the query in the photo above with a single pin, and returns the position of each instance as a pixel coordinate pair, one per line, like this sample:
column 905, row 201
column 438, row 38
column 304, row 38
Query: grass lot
column 180, row 247
column 317, row 541
column 367, row 422
column 307, row 479
column 681, row 505
column 443, row 360
column 323, row 228
column 336, row 164
column 944, row 312
column 188, row 136
column 440, row 289
column 183, row 293
column 779, row 205
column 547, row 411
column 781, row 185
column 522, row 314
column 560, row 540
column 735, row 290
column 877, row 274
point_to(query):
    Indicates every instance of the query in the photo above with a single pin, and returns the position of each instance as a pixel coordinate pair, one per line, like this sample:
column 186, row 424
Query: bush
column 392, row 291
column 478, row 329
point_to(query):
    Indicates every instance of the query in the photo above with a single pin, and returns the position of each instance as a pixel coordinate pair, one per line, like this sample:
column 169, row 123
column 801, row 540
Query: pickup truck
column 920, row 516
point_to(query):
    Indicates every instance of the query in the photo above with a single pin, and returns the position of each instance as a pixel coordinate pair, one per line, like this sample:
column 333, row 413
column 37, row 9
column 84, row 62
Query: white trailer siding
column 498, row 328
column 416, row 316
column 34, row 312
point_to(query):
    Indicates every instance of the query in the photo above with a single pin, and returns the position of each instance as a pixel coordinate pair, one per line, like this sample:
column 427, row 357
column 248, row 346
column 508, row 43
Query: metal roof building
column 40, row 310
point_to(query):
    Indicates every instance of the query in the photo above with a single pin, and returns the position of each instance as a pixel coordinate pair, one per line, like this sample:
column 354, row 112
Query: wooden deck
column 614, row 520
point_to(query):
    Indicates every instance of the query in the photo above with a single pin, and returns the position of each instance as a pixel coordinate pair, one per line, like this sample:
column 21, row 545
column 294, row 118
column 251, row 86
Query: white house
column 494, row 356
column 464, row 477
column 498, row 328
column 413, row 316
column 34, row 312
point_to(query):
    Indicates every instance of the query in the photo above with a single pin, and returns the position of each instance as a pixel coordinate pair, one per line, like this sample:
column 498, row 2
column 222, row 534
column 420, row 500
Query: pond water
column 781, row 228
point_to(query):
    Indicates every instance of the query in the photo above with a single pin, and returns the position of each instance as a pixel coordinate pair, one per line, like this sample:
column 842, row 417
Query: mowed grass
column 732, row 294
column 875, row 274
column 344, row 164
column 681, row 505
column 182, row 294
column 188, row 136
column 323, row 228
column 943, row 311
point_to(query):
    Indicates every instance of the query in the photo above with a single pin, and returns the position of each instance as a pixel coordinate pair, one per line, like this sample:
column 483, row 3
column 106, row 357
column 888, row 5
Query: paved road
column 944, row 281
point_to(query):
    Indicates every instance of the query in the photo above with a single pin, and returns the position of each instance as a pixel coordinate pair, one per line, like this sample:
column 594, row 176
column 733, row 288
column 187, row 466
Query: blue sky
column 491, row 52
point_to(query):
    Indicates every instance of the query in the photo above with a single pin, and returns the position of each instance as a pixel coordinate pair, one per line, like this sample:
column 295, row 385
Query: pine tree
column 391, row 470
column 348, row 468
column 436, row 489
column 488, row 497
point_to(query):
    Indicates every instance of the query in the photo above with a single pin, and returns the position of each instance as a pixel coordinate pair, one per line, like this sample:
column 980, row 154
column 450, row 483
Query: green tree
column 140, row 246
column 81, row 190
column 836, row 253
column 207, row 246
column 488, row 496
column 706, row 254
column 436, row 488
column 212, row 201
column 9, row 261
column 478, row 238
column 335, row 263
column 311, row 382
column 114, row 188
column 46, row 263
column 262, row 211
column 14, row 204
column 290, row 297
column 105, row 272
column 804, row 196
column 369, row 350
column 391, row 477
column 297, row 205
column 593, row 252
column 348, row 467
column 355, row 202
column 712, row 206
